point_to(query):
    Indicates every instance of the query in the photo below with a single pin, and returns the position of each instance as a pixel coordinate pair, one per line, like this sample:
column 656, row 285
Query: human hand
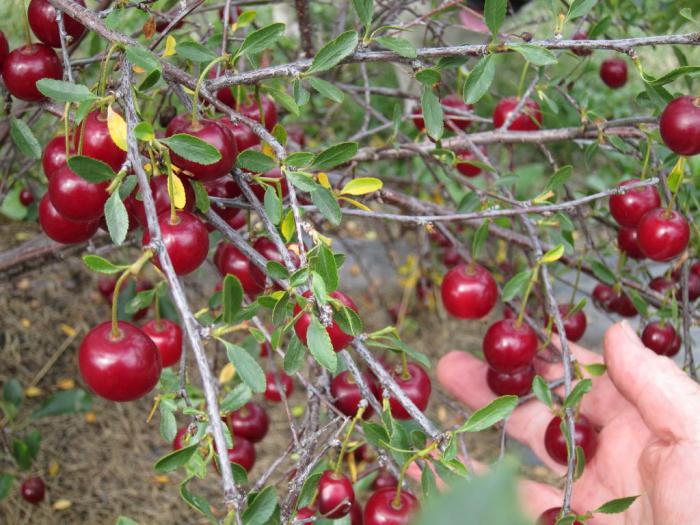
column 648, row 415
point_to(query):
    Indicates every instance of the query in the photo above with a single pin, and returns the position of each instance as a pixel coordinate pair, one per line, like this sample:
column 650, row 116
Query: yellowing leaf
column 323, row 180
column 90, row 417
column 298, row 410
column 553, row 255
column 161, row 479
column 66, row 383
column 62, row 504
column 170, row 44
column 117, row 128
column 288, row 226
column 54, row 468
column 33, row 391
column 354, row 203
column 26, row 323
column 178, row 193
column 227, row 373
column 362, row 186
column 267, row 150
column 67, row 329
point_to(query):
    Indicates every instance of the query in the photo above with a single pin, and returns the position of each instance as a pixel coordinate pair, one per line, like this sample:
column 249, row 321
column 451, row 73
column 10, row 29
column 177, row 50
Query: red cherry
column 453, row 120
column 551, row 516
column 335, row 495
column 33, row 490
column 693, row 288
column 97, row 142
column 28, row 64
column 259, row 188
column 186, row 240
column 603, row 296
column 451, row 257
column 384, row 479
column 584, row 436
column 250, row 422
column 271, row 391
column 380, row 508
column 469, row 291
column 251, row 110
column 75, row 198
column 105, row 285
column 417, row 387
column 627, row 242
column 229, row 260
column 465, row 167
column 63, row 230
column 695, row 269
column 679, row 125
column 529, row 118
column 226, row 188
column 574, row 325
column 26, row 197
column 581, row 35
column 661, row 337
column 661, row 284
column 509, row 345
column 356, row 517
column 217, row 135
column 347, row 396
column 623, row 305
column 265, row 349
column 42, row 20
column 245, row 137
column 179, row 440
column 54, row 156
column 268, row 250
column 178, row 123
column 121, row 368
column 439, row 238
column 613, row 71
column 242, row 453
column 159, row 188
column 4, row 48
column 339, row 339
column 518, row 383
column 663, row 234
column 167, row 336
column 629, row 207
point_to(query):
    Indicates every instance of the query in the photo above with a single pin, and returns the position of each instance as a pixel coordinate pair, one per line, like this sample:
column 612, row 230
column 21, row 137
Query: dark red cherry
column 162, row 22
column 259, row 188
column 63, row 230
column 106, row 284
column 660, row 337
column 439, row 238
column 216, row 135
column 451, row 257
column 693, row 288
column 229, row 260
column 581, row 35
column 509, row 345
column 242, row 453
column 347, row 396
column 603, row 296
column 661, row 284
column 179, row 440
column 269, row 251
column 226, row 188
column 623, row 305
column 551, row 516
column 335, row 495
column 185, row 239
column 627, row 243
column 663, row 234
column 384, row 479
column 250, row 422
column 465, row 167
column 356, row 514
column 584, row 436
column 469, row 291
column 679, row 125
column 121, row 368
column 574, row 325
column 159, row 188
column 33, row 490
column 97, row 142
column 380, row 508
column 272, row 393
column 4, row 48
column 167, row 337
column 339, row 339
column 251, row 110
column 42, row 20
column 75, row 198
column 517, row 383
column 613, row 71
column 54, row 156
column 529, row 118
column 245, row 137
column 26, row 197
column 28, row 64
column 452, row 120
column 415, row 384
column 629, row 207
column 178, row 123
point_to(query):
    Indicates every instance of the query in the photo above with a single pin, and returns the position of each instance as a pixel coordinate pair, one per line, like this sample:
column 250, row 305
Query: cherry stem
column 114, row 185
column 405, row 374
column 521, row 84
column 200, row 81
column 647, row 155
column 358, row 416
column 258, row 100
column 25, row 20
column 528, row 290
column 396, row 503
column 103, row 70
column 134, row 269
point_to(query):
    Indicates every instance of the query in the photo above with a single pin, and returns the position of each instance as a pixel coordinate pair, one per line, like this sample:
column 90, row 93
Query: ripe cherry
column 529, row 118
column 24, row 66
column 551, row 516
column 347, row 396
column 33, row 490
column 250, row 422
column 167, row 336
column 581, row 35
column 179, row 439
column 339, row 339
column 381, row 510
column 225, row 187
column 244, row 136
column 121, row 368
column 186, row 240
column 97, row 142
column 26, row 197
column 265, row 247
column 249, row 107
column 453, row 120
column 629, row 207
column 272, row 393
column 584, row 436
column 451, row 257
column 54, row 156
column 259, row 188
column 509, row 345
column 335, row 495
column 356, row 512
column 662, row 338
column 216, row 135
column 229, row 260
column 663, row 234
column 623, row 305
column 416, row 384
column 304, row 513
column 517, row 383
column 613, row 71
column 574, row 325
column 384, row 479
column 679, row 125
column 465, row 167
column 661, row 284
column 627, row 243
column 693, row 282
column 242, row 453
column 75, row 198
column 42, row 20
column 161, row 197
column 63, row 230
column 603, row 297
column 4, row 48
column 469, row 291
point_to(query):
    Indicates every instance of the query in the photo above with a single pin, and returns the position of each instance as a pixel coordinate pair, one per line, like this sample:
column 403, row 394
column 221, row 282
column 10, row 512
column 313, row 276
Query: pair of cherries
column 613, row 300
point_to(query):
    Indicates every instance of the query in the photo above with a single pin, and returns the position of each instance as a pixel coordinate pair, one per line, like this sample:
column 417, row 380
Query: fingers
column 666, row 398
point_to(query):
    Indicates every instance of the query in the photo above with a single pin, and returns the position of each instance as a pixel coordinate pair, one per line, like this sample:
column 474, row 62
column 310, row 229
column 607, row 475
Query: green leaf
column 21, row 455
column 348, row 321
column 196, row 502
column 616, row 506
column 24, row 139
column 62, row 91
column 142, row 58
column 497, row 410
column 333, row 52
column 117, row 218
column 194, row 51
column 168, row 424
column 263, row 38
column 398, row 45
column 327, row 205
column 516, row 285
column 299, row 159
column 479, row 80
column 201, row 197
column 92, row 170
column 374, row 434
column 175, row 459
column 542, row 391
column 98, row 264
column 432, row 113
column 5, row 485
column 602, row 272
column 261, row 508
column 580, row 464
column 302, row 181
column 125, row 520
column 246, row 367
column 536, row 55
column 364, row 10
column 319, row 343
column 273, row 205
column 12, row 391
column 192, row 148
column 255, row 161
column 595, row 369
column 324, row 263
column 144, row 131
column 581, row 388
column 428, row 76
column 236, row 398
column 480, row 238
column 334, row 156
column 690, row 71
column 579, row 8
column 326, row 89
column 294, row 356
column 127, row 186
column 232, row 298
column 141, row 300
column 284, row 99
column 64, row 402
column 495, row 14
column 559, row 178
